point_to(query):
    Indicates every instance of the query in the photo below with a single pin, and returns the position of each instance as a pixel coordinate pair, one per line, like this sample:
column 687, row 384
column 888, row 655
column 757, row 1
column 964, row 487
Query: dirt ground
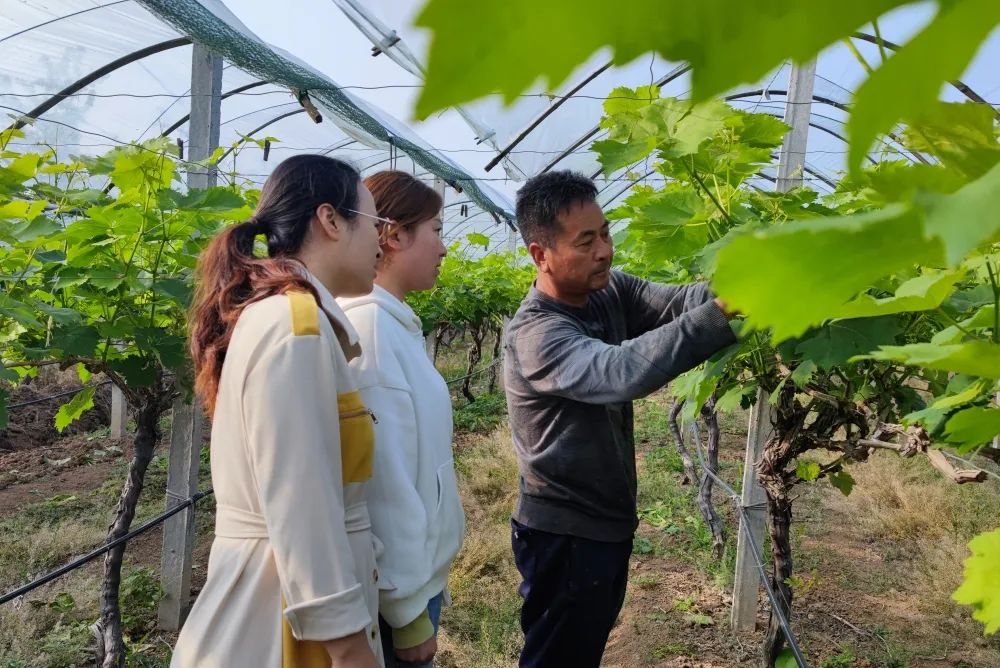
column 873, row 594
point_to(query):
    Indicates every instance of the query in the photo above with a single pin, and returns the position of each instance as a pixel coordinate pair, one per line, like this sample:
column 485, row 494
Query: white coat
column 416, row 509
column 293, row 559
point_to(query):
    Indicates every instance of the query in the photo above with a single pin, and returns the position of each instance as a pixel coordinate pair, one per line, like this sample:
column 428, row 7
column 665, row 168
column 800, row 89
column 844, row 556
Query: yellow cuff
column 414, row 633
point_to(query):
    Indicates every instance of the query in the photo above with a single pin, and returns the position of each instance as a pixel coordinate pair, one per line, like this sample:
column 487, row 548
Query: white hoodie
column 413, row 496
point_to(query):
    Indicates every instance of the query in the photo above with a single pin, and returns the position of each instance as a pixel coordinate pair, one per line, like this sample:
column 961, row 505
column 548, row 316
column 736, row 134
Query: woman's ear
column 395, row 237
column 329, row 222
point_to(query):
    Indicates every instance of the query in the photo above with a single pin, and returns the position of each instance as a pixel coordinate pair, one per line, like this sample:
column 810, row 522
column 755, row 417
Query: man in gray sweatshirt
column 585, row 342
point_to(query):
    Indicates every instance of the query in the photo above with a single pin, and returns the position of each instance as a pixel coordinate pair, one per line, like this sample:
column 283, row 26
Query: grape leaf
column 76, row 340
column 72, row 410
column 786, row 659
column 843, row 481
column 960, row 135
column 958, row 219
column 478, row 239
column 976, row 358
column 981, row 588
column 735, row 398
column 784, row 278
column 726, row 43
column 910, row 81
column 972, row 427
column 839, row 341
column 670, row 207
column 83, row 373
column 807, row 470
column 917, row 294
column 613, row 155
column 803, row 373
column 22, row 209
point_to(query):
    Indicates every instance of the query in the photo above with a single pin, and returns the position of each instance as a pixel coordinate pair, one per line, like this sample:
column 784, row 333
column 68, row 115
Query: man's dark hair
column 542, row 198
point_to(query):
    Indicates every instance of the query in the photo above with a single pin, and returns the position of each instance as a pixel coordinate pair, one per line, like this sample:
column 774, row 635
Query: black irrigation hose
column 55, row 396
column 107, row 547
column 492, row 363
column 755, row 551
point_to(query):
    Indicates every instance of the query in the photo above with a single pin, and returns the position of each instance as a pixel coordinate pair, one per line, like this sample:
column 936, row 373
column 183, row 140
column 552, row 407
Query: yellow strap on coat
column 305, row 314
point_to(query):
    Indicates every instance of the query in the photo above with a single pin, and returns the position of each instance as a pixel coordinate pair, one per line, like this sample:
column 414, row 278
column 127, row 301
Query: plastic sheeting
column 326, row 47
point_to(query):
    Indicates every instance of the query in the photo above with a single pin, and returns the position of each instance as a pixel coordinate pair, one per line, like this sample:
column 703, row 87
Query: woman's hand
column 422, row 653
column 351, row 652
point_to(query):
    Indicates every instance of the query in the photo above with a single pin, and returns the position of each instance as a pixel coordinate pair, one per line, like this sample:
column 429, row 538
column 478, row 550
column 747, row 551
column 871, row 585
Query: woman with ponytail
column 292, row 579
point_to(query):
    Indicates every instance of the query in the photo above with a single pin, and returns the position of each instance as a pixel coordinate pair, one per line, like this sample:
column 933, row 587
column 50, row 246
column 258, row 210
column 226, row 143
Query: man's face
column 579, row 260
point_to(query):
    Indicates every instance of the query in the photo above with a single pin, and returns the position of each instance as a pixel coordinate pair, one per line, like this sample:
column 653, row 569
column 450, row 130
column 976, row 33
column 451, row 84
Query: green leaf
column 839, row 341
column 624, row 100
column 83, row 373
column 216, row 200
column 50, row 257
column 803, row 373
column 761, row 130
column 63, row 603
column 807, row 470
column 801, row 287
column 911, row 80
column 786, row 659
column 22, row 209
column 917, row 294
column 735, row 398
column 842, row 481
column 4, row 415
column 20, row 169
column 76, row 340
column 70, row 412
column 61, row 316
column 15, row 310
column 960, row 135
column 670, row 207
column 697, row 385
column 976, row 358
column 614, row 155
column 726, row 43
column 176, row 289
column 981, row 588
column 695, row 126
column 138, row 371
column 959, row 219
column 972, row 427
column 477, row 239
column 39, row 226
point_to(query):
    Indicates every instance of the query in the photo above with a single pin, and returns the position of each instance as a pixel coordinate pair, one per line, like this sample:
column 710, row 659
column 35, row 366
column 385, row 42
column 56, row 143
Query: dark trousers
column 573, row 590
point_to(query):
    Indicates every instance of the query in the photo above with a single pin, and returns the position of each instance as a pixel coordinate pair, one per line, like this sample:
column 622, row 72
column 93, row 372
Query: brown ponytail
column 229, row 277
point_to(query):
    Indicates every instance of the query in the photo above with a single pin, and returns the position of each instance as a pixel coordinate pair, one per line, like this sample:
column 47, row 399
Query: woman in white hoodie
column 415, row 508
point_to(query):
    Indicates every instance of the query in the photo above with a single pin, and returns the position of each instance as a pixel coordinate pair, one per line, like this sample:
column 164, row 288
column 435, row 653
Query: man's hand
column 351, row 652
column 725, row 309
column 422, row 653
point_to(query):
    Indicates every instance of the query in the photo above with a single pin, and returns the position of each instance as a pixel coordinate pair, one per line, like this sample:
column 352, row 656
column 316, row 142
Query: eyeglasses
column 378, row 218
column 386, row 225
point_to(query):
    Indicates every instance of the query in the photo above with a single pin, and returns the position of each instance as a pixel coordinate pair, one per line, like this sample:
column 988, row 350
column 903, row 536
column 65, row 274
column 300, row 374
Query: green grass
column 481, row 627
column 485, row 413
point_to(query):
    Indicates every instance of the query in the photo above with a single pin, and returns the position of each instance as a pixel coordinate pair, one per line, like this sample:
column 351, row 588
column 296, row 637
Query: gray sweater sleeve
column 648, row 305
column 556, row 358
